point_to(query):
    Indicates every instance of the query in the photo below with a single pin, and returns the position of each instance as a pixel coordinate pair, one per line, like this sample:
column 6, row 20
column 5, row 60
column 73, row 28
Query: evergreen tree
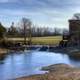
column 2, row 30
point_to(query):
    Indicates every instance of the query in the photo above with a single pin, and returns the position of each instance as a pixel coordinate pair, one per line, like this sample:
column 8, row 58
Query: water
column 28, row 63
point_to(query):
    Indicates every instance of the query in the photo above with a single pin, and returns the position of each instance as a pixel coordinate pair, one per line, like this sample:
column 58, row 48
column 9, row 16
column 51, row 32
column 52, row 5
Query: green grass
column 40, row 40
column 47, row 40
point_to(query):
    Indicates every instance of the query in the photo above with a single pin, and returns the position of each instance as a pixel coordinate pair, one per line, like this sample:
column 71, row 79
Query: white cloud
column 9, row 12
column 48, row 12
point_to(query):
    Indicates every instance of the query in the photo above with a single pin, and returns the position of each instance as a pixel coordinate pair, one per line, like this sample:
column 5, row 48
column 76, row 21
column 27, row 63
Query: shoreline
column 56, row 72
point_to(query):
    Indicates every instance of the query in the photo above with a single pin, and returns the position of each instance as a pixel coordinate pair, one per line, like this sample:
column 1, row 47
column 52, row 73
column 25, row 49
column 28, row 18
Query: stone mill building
column 73, row 38
column 74, row 29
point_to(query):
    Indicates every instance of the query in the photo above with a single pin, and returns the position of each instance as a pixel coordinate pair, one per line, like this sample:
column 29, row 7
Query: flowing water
column 21, row 64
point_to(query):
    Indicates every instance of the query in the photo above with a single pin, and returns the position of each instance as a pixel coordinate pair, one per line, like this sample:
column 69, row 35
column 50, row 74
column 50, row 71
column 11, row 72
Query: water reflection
column 2, row 58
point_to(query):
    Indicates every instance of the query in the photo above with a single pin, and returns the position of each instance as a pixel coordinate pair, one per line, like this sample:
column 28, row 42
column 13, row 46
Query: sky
column 52, row 13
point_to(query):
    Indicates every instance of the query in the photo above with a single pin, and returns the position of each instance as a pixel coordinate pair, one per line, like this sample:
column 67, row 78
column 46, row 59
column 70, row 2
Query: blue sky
column 53, row 13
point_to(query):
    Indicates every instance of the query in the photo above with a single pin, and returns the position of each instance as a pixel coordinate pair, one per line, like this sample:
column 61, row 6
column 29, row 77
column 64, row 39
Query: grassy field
column 50, row 40
column 47, row 40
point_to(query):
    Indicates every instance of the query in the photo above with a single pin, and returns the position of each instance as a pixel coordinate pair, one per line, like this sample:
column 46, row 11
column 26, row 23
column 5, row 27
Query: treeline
column 35, row 31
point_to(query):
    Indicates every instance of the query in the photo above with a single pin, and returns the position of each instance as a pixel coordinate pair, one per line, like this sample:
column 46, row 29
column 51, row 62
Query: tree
column 26, row 26
column 56, row 31
column 12, row 30
column 2, row 30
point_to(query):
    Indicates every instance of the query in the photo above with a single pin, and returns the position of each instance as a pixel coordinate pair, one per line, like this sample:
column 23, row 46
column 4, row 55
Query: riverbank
column 3, row 51
column 56, row 72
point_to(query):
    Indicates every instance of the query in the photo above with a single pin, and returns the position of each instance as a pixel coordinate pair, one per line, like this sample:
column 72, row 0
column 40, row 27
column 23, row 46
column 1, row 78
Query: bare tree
column 57, row 31
column 26, row 26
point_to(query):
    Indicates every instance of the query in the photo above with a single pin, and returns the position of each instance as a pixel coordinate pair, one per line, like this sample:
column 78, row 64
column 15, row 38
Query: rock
column 56, row 72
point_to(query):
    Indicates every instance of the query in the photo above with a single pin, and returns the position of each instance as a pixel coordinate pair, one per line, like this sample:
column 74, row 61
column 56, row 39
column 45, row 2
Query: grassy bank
column 50, row 40
column 56, row 72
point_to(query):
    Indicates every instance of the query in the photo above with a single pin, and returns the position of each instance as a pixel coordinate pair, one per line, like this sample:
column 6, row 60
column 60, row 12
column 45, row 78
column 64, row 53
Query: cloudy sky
column 53, row 13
